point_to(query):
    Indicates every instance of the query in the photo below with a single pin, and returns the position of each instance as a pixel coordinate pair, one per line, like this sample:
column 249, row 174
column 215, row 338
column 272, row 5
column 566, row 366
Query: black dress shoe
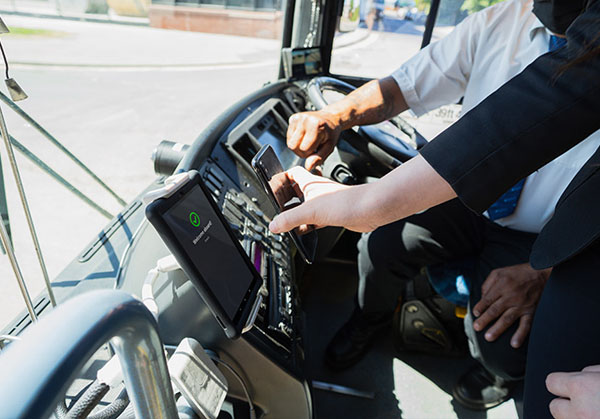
column 353, row 340
column 479, row 389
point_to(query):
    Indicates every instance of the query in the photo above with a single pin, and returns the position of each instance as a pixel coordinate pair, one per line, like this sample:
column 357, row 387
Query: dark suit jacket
column 528, row 122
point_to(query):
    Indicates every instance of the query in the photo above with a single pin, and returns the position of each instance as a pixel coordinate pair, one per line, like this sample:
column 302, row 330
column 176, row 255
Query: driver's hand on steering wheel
column 313, row 135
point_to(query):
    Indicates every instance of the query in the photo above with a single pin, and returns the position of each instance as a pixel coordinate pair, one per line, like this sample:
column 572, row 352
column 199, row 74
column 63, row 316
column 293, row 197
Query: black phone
column 190, row 223
column 283, row 196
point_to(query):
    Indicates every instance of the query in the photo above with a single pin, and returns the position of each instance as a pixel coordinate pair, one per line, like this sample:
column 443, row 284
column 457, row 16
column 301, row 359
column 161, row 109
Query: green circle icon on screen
column 194, row 219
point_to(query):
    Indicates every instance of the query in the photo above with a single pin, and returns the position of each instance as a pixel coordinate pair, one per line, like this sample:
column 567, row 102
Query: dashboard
column 274, row 349
column 234, row 186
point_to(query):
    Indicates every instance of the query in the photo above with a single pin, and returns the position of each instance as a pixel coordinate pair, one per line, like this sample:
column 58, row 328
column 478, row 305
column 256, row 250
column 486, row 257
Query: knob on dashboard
column 167, row 155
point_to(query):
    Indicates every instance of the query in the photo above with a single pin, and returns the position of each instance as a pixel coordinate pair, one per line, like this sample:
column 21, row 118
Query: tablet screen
column 210, row 249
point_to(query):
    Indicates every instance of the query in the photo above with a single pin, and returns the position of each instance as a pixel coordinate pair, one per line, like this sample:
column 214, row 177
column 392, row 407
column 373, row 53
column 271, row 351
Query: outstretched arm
column 365, row 207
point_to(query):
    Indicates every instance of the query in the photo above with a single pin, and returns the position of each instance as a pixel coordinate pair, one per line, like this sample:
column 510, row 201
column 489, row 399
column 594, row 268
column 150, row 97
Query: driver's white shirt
column 482, row 53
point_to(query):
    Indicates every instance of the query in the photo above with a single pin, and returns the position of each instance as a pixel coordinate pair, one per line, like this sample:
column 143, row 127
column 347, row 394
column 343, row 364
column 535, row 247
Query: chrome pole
column 40, row 163
column 19, row 183
column 11, row 104
column 45, row 375
column 145, row 370
column 17, row 270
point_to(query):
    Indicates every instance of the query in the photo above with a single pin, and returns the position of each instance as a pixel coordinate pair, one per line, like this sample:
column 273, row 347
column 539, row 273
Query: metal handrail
column 39, row 369
column 26, row 210
column 19, row 111
column 12, row 257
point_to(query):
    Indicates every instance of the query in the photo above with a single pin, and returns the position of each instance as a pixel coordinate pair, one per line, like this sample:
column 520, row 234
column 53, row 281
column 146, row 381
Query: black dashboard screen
column 276, row 140
column 210, row 248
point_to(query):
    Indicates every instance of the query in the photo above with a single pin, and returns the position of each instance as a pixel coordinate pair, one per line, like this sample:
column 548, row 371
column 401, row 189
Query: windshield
column 110, row 80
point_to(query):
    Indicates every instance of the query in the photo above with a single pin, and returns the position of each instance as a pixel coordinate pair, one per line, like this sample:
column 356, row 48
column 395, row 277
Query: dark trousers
column 564, row 336
column 395, row 253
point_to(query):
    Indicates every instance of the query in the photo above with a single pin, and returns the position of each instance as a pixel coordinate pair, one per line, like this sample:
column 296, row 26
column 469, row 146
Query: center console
column 278, row 325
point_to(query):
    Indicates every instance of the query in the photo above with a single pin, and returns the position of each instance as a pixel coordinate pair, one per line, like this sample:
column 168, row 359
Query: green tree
column 423, row 5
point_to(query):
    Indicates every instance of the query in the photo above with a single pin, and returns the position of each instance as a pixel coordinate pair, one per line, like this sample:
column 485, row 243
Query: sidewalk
column 87, row 44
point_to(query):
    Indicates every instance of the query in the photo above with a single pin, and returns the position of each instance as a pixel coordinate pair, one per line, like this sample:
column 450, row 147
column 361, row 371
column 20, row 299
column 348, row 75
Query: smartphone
column 284, row 196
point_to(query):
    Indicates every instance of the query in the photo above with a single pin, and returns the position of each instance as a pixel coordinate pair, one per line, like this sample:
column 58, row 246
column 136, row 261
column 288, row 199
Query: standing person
column 481, row 54
column 538, row 115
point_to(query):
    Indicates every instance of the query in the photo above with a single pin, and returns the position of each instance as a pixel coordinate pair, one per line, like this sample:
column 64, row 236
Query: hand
column 326, row 203
column 507, row 295
column 313, row 135
column 578, row 393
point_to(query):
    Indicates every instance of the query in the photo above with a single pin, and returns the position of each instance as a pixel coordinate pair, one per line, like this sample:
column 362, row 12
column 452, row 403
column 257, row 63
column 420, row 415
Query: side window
column 390, row 32
column 452, row 12
column 377, row 36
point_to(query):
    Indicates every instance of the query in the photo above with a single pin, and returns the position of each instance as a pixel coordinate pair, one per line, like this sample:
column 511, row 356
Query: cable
column 5, row 60
column 61, row 410
column 230, row 368
column 113, row 410
column 90, row 399
column 163, row 265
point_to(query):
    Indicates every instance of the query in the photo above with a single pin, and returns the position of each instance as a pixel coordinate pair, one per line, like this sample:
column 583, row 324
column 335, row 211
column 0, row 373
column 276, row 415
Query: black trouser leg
column 393, row 254
column 503, row 247
column 564, row 336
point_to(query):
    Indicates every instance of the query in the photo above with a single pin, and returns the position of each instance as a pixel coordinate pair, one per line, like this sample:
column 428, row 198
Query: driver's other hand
column 313, row 135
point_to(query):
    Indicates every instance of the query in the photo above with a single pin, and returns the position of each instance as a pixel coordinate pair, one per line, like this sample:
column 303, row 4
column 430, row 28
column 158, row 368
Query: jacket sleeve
column 532, row 119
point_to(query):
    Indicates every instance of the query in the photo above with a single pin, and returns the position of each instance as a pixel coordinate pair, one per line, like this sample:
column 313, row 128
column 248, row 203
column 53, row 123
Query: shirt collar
column 536, row 26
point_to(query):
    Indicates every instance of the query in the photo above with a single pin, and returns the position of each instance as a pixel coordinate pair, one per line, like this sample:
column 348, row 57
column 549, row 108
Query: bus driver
column 480, row 55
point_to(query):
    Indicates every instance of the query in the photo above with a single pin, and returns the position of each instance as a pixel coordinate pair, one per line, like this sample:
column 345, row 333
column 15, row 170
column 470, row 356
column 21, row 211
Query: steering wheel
column 394, row 139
